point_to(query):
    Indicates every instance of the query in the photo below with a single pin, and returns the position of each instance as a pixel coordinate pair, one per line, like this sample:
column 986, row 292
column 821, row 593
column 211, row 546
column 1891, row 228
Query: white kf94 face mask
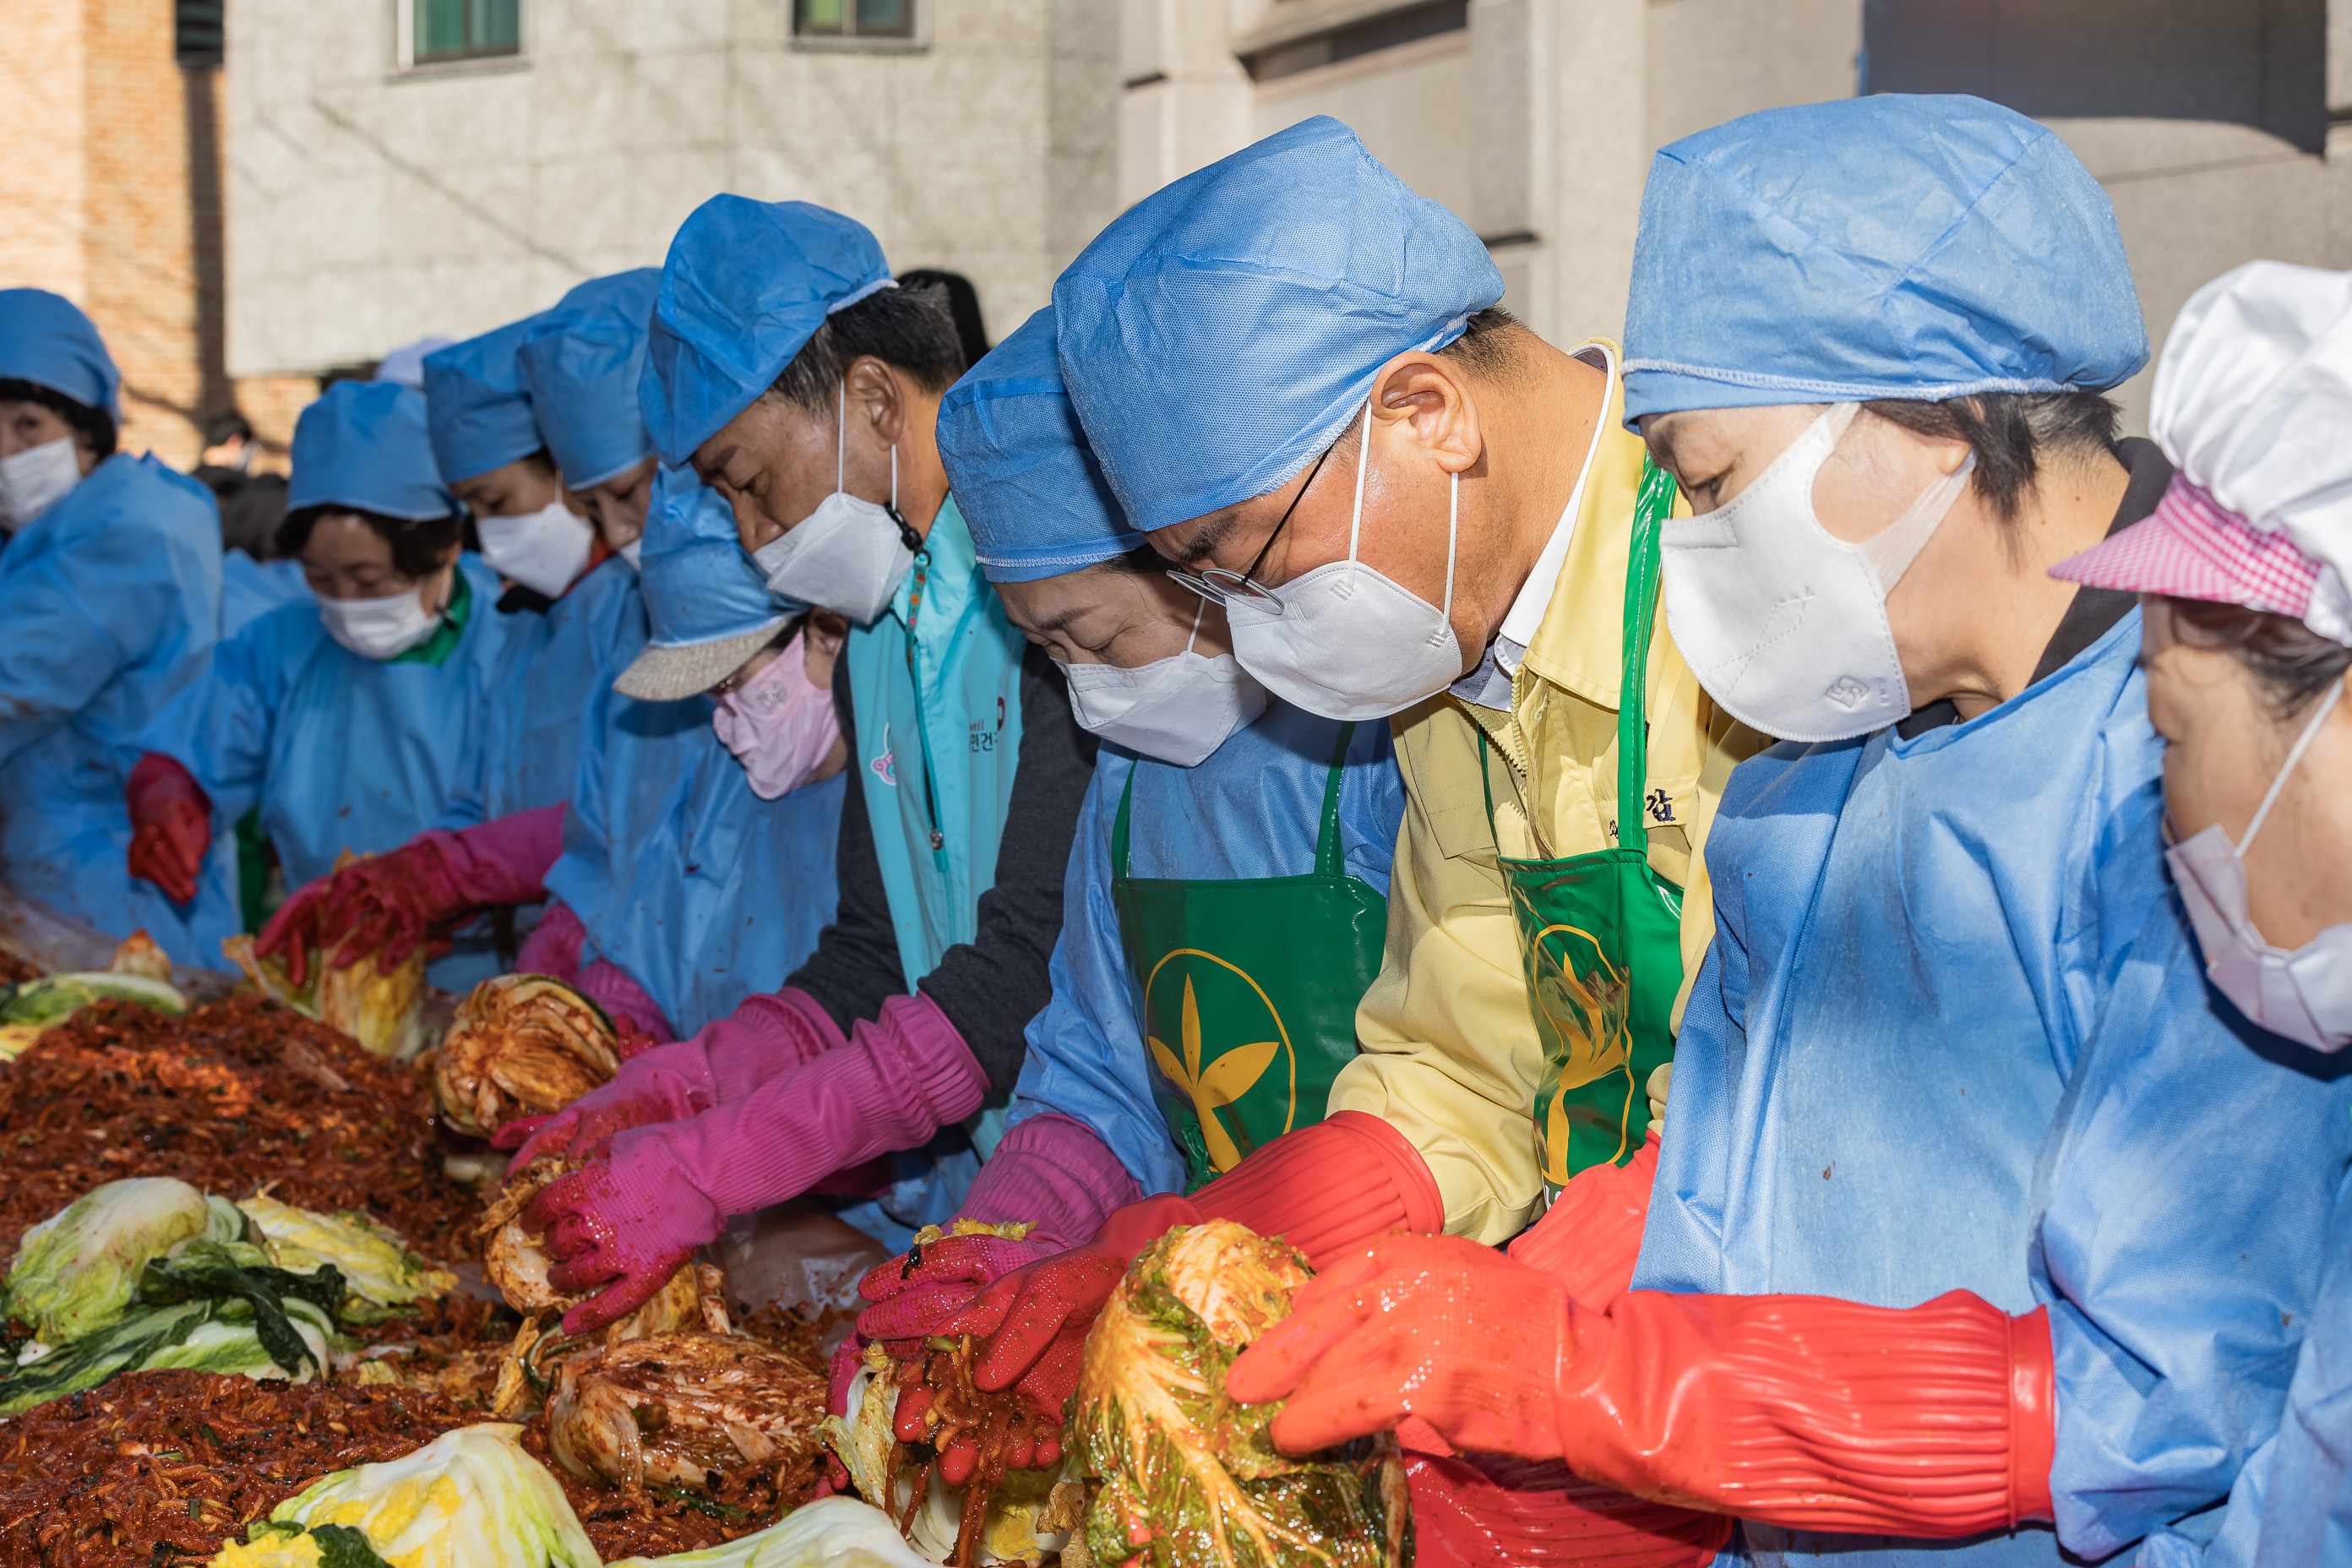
column 378, row 628
column 543, row 550
column 2306, row 994
column 1348, row 642
column 849, row 553
column 35, row 479
column 1178, row 710
column 1782, row 622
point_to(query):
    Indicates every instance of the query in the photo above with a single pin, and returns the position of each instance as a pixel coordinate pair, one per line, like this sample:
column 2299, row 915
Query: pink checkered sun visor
column 2191, row 548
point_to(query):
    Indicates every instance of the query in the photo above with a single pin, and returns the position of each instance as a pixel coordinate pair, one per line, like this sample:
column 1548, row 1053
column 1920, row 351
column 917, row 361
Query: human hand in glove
column 171, row 825
column 662, row 1083
column 620, row 1227
column 1799, row 1411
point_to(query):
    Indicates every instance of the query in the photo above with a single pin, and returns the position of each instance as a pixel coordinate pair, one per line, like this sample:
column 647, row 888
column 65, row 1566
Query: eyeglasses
column 1221, row 586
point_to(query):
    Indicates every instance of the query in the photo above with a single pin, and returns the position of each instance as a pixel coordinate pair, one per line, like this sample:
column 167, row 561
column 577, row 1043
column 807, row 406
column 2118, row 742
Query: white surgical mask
column 543, row 550
column 849, row 553
column 378, row 628
column 1178, row 709
column 1782, row 622
column 632, row 551
column 34, row 479
column 2306, row 994
column 1348, row 643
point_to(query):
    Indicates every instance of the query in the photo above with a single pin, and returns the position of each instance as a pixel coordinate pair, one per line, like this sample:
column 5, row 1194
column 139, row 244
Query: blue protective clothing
column 47, row 340
column 1023, row 474
column 109, row 602
column 581, row 365
column 1281, row 277
column 476, row 405
column 364, row 445
column 1883, row 246
column 524, row 742
column 936, row 686
column 1953, row 1033
column 744, row 286
column 1250, row 811
column 339, row 752
column 702, row 892
column 250, row 589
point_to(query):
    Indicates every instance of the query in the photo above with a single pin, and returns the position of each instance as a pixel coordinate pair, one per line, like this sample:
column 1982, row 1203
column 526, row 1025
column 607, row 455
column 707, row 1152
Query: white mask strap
column 1196, row 626
column 841, row 438
column 894, row 476
column 1363, row 463
column 2302, row 745
column 1892, row 548
column 1453, row 524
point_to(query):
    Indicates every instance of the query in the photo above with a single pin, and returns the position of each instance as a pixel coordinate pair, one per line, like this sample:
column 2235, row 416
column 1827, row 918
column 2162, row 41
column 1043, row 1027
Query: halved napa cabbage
column 76, row 1271
column 831, row 1533
column 373, row 1262
column 27, row 1009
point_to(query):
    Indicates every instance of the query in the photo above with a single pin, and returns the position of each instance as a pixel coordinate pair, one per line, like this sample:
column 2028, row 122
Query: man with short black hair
column 252, row 504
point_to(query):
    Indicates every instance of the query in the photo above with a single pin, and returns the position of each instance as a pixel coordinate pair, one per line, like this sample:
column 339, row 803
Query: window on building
column 854, row 19
column 465, row 29
column 1287, row 51
column 198, row 37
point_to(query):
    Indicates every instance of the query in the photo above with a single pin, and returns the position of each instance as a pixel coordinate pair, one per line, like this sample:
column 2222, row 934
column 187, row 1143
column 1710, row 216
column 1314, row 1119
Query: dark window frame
column 473, row 24
column 852, row 28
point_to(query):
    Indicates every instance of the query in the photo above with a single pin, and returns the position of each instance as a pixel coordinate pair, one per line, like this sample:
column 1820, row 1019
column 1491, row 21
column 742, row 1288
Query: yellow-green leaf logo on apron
column 1223, row 1064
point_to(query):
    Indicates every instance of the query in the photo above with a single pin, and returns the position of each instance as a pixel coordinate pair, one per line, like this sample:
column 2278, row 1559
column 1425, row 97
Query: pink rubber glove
column 621, row 1232
column 764, row 1039
column 1050, row 1170
column 1591, row 1235
column 553, row 948
column 899, row 1079
column 612, row 988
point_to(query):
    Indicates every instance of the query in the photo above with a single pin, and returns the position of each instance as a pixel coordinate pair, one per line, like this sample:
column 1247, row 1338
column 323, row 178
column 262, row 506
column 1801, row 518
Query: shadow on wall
column 2257, row 63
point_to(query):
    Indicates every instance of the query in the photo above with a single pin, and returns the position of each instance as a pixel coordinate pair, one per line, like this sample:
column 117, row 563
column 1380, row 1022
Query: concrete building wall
column 377, row 206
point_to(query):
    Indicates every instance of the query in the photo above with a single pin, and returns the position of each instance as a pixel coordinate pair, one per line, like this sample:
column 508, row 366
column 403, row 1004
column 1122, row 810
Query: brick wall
column 112, row 196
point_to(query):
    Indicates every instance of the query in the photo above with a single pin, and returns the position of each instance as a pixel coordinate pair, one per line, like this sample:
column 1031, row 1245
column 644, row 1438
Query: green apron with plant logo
column 1249, row 988
column 1601, row 934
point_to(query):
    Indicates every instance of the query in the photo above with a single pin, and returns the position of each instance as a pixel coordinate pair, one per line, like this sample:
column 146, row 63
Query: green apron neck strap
column 1330, row 860
column 1118, row 823
column 1654, row 502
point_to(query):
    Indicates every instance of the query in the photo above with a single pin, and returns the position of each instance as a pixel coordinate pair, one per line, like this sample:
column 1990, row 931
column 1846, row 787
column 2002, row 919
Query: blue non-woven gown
column 339, row 752
column 1251, row 809
column 250, row 589
column 110, row 606
column 1954, row 1033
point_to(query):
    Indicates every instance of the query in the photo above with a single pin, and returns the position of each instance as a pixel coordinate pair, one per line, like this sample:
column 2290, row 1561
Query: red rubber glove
column 622, row 1231
column 171, row 825
column 1050, row 1171
column 1590, row 1237
column 764, row 1039
column 1798, row 1411
column 1463, row 1517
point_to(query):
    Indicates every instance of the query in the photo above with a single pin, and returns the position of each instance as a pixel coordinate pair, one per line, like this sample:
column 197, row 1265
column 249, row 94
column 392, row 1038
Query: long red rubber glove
column 1799, row 1411
column 171, row 825
column 392, row 901
column 1463, row 1517
column 1324, row 1188
column 1590, row 1237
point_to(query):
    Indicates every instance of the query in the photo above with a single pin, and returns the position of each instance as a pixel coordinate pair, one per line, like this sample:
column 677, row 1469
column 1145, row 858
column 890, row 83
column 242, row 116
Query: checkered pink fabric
column 2191, row 548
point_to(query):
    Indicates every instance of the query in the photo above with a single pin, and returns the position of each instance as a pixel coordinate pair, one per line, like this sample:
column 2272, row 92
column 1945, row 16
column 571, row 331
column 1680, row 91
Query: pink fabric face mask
column 778, row 723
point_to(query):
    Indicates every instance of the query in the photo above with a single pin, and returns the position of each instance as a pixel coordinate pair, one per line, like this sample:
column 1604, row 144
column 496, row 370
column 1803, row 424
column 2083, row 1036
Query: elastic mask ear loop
column 2302, row 745
column 1197, row 611
column 841, row 438
column 1453, row 525
column 1892, row 548
column 1364, row 464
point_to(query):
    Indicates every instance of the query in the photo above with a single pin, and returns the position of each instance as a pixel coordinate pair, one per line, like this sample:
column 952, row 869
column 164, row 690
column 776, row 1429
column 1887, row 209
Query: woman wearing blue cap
column 1978, row 1214
column 805, row 387
column 572, row 611
column 110, row 603
column 1228, row 890
column 345, row 719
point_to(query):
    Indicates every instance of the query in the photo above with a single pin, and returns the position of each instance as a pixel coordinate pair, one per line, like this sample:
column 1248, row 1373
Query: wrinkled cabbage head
column 521, row 1045
column 76, row 1271
column 374, row 1263
column 1190, row 1479
column 469, row 1499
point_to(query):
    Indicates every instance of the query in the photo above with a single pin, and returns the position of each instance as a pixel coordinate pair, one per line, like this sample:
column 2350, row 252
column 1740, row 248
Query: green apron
column 1247, row 1045
column 1601, row 934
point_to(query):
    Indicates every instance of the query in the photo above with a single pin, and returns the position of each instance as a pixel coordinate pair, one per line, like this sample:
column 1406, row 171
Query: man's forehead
column 1190, row 543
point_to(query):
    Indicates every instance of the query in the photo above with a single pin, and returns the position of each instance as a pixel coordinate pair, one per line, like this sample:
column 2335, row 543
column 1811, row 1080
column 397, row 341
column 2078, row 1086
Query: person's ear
column 1426, row 401
column 874, row 388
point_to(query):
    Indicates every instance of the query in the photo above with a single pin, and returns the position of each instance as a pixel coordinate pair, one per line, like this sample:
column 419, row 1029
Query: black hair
column 2012, row 433
column 225, row 427
column 1487, row 345
column 1142, row 562
column 94, row 426
column 2294, row 664
column 417, row 546
column 908, row 329
column 963, row 307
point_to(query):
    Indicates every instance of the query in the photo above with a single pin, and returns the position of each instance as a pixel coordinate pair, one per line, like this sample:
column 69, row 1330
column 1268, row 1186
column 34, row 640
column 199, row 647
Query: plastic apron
column 1243, row 1047
column 1600, row 933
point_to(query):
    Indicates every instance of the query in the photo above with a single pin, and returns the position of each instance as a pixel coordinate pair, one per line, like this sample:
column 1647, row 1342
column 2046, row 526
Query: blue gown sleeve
column 2185, row 1197
column 1086, row 1058
column 218, row 726
column 81, row 613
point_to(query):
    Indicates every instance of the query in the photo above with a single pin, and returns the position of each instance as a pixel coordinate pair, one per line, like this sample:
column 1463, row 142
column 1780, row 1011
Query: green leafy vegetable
column 76, row 1271
column 379, row 1271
